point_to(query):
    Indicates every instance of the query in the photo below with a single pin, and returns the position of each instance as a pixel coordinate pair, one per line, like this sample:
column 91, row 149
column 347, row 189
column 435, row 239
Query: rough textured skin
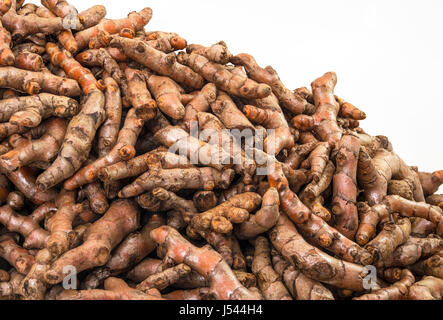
column 413, row 250
column 160, row 62
column 34, row 82
column 234, row 210
column 78, row 141
column 16, row 256
column 268, row 279
column 103, row 235
column 263, row 220
column 268, row 75
column 217, row 53
column 165, row 278
column 432, row 266
column 138, row 94
column 314, row 263
column 92, row 16
column 300, row 286
column 223, row 282
column 123, row 150
column 44, row 149
column 429, row 288
column 398, row 291
column 192, row 294
column 392, row 236
column 199, row 103
column 63, row 9
column 224, row 79
column 345, row 186
column 431, row 181
column 325, row 117
column 313, row 227
column 135, row 21
column 12, row 287
column 30, row 111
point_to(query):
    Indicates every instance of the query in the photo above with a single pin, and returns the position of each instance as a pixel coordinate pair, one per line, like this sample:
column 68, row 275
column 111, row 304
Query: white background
column 388, row 55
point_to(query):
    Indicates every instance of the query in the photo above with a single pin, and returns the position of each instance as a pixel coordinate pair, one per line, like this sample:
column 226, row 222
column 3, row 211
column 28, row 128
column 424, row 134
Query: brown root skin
column 92, row 16
column 77, row 143
column 349, row 111
column 134, row 21
column 24, row 180
column 124, row 149
column 313, row 262
column 315, row 189
column 268, row 280
column 413, row 250
column 177, row 179
column 12, row 287
column 138, row 94
column 229, row 114
column 432, row 266
column 196, row 150
column 407, row 208
column 133, row 249
column 114, row 289
column 234, row 210
column 175, row 40
column 325, row 117
column 60, row 224
column 201, row 102
column 318, row 160
column 398, row 291
column 16, row 200
column 313, row 227
column 402, row 188
column 16, row 256
column 263, row 220
column 73, row 69
column 167, row 95
column 121, row 219
column 298, row 153
column 22, row 26
column 34, row 82
column 300, row 286
column 345, row 186
column 30, row 111
column 96, row 197
column 29, row 61
column 204, row 200
column 160, row 62
column 108, row 133
column 63, row 9
column 431, row 181
column 44, row 149
column 429, row 288
column 374, row 175
column 7, row 57
column 385, row 243
column 165, row 278
column 163, row 200
column 370, row 217
column 224, row 79
column 292, row 102
column 223, row 283
column 217, row 53
column 435, row 200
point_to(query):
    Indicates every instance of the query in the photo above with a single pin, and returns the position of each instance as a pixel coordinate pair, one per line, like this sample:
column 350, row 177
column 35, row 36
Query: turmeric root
column 6, row 56
column 268, row 280
column 311, row 261
column 193, row 294
column 392, row 236
column 165, row 278
column 77, row 143
column 435, row 200
column 64, row 10
column 432, row 266
column 223, row 282
column 108, row 133
column 160, row 62
column 138, row 95
column 269, row 76
column 114, row 289
column 204, row 200
column 12, row 287
column 345, row 186
column 263, row 220
column 92, row 16
column 431, row 181
column 34, row 82
column 300, row 286
column 60, row 224
column 122, row 150
column 44, row 149
column 217, row 53
column 402, row 188
column 200, row 103
column 121, row 219
column 17, row 257
column 318, row 160
column 398, row 291
column 413, row 250
column 234, row 210
column 429, row 288
column 224, row 79
column 16, row 200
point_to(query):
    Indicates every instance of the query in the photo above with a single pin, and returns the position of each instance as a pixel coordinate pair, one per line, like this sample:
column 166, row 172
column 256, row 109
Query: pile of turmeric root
column 122, row 177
